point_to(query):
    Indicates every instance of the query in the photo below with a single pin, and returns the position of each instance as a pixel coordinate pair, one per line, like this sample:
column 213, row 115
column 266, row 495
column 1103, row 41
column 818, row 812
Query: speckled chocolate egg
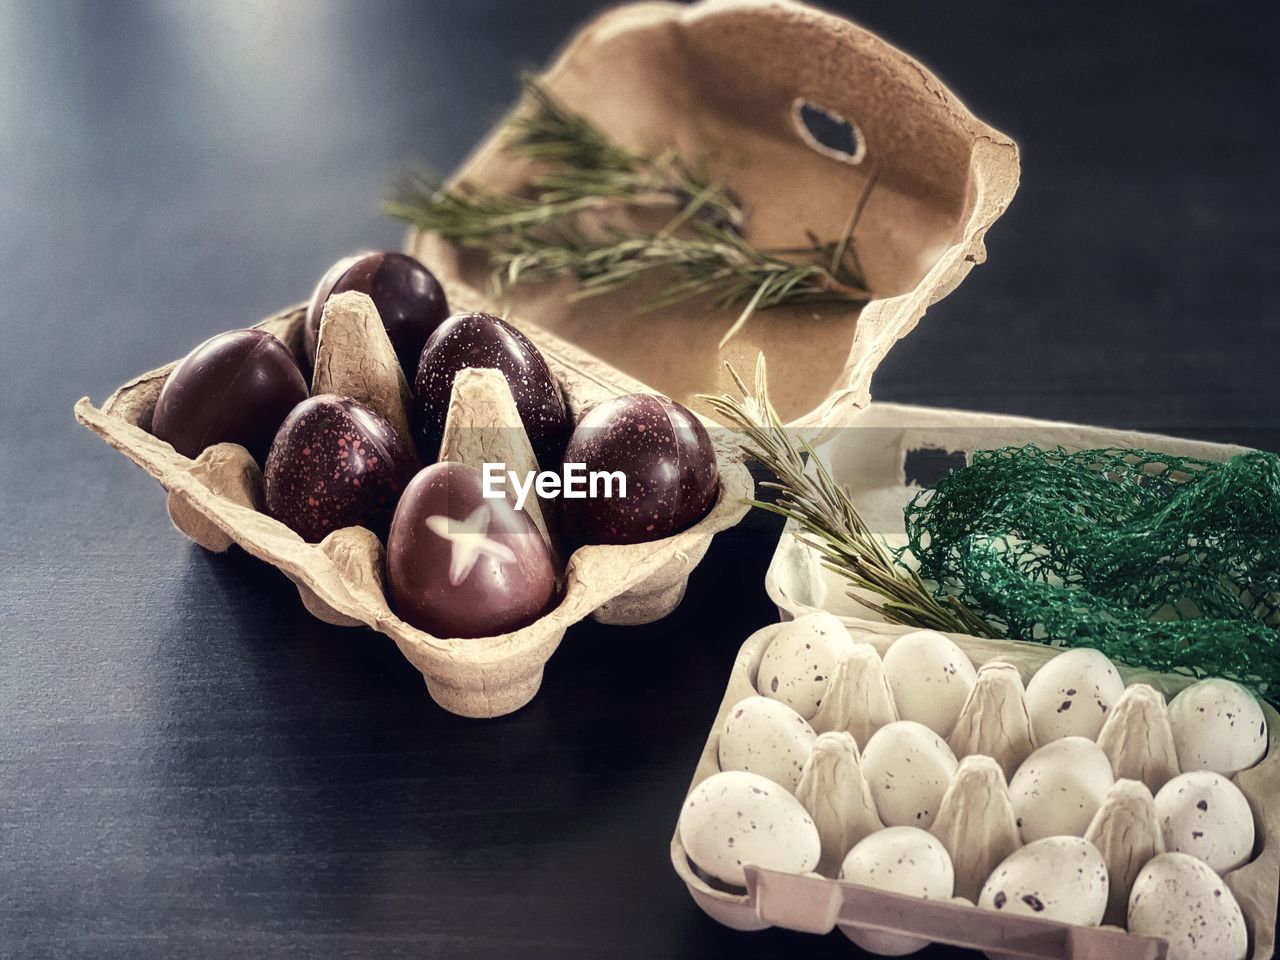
column 484, row 341
column 409, row 299
column 236, row 387
column 335, row 463
column 666, row 456
column 463, row 565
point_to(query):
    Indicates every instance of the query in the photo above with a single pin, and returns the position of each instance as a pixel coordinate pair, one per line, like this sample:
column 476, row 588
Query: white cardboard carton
column 873, row 458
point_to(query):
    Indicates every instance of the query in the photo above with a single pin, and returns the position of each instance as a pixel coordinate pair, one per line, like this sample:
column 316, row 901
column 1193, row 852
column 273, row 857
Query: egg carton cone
column 835, row 793
column 746, row 88
column 994, row 721
column 1127, row 833
column 1138, row 738
column 483, row 426
column 858, row 699
column 215, row 499
column 976, row 822
column 811, row 903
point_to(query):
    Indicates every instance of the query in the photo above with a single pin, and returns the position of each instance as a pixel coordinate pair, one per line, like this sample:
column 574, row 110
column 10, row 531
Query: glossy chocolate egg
column 667, row 458
column 461, row 565
column 335, row 463
column 236, row 387
column 481, row 340
column 409, row 299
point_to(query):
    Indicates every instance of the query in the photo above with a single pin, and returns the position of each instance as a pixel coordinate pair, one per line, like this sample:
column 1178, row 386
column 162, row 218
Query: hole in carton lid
column 926, row 466
column 828, row 132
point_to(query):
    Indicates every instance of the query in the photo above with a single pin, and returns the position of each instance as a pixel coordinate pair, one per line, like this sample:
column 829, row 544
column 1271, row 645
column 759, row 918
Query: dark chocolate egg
column 481, row 340
column 236, row 387
column 409, row 299
column 335, row 463
column 462, row 565
column 665, row 454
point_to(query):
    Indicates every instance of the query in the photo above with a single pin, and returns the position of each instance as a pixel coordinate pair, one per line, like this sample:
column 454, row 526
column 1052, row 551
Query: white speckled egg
column 1070, row 695
column 901, row 860
column 908, row 767
column 735, row 818
column 1059, row 788
column 797, row 665
column 1179, row 899
column 766, row 737
column 1217, row 725
column 1204, row 814
column 931, row 678
column 1056, row 878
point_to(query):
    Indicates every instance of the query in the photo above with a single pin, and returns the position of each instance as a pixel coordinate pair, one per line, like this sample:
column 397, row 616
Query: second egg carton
column 215, row 500
column 811, row 903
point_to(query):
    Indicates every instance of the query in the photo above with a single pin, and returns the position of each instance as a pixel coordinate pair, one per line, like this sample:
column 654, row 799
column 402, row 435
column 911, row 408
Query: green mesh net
column 1169, row 563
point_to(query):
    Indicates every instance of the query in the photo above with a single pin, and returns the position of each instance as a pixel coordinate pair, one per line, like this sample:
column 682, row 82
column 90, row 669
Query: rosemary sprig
column 552, row 133
column 529, row 241
column 711, row 261
column 828, row 520
column 539, row 237
column 584, row 163
column 581, row 170
column 479, row 218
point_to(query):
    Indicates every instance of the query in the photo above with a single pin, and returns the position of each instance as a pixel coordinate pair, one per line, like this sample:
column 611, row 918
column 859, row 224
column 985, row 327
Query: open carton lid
column 724, row 82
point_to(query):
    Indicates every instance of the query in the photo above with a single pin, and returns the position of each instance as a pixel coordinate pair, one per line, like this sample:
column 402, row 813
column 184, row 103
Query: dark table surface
column 190, row 765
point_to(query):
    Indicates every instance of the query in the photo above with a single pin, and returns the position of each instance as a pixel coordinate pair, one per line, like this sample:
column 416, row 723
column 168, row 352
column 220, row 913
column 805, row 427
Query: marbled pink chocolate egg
column 335, row 463
column 669, row 464
column 462, row 565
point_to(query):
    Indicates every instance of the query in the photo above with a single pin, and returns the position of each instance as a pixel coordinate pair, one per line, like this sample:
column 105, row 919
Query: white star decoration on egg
column 468, row 540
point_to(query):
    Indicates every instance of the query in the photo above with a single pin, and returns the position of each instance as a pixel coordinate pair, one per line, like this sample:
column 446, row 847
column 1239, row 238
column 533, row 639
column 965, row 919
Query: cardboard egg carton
column 216, row 498
column 814, row 904
column 728, row 84
column 888, row 454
